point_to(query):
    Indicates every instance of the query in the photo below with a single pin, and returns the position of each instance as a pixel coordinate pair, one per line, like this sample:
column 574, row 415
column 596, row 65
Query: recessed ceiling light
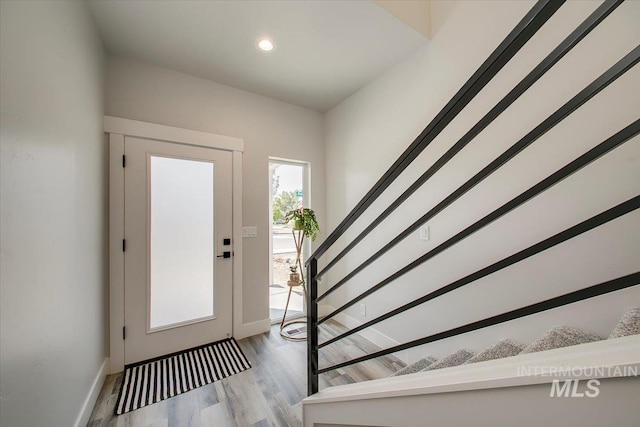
column 265, row 45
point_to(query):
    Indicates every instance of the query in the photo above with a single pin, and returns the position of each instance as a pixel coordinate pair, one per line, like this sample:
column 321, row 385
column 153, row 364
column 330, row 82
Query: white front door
column 178, row 224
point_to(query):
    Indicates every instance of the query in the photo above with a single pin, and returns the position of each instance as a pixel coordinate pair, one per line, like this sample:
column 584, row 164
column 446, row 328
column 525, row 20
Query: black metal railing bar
column 312, row 327
column 522, row 32
column 516, row 39
column 545, row 65
column 609, row 76
column 590, row 156
column 569, row 298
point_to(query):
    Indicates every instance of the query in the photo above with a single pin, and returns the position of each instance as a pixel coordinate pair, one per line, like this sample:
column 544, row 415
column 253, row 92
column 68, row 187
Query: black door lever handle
column 226, row 254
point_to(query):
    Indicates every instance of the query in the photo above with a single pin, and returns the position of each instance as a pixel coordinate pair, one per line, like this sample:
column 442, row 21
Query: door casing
column 117, row 129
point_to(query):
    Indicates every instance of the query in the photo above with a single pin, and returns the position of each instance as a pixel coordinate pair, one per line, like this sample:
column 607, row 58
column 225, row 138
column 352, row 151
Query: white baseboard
column 92, row 396
column 253, row 328
column 371, row 334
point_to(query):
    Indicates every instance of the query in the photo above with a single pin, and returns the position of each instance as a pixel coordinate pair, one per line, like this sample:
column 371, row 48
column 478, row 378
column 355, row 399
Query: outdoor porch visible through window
column 287, row 193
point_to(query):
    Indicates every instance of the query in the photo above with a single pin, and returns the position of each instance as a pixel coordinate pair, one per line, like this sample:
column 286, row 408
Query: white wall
column 53, row 188
column 525, row 406
column 140, row 91
column 366, row 133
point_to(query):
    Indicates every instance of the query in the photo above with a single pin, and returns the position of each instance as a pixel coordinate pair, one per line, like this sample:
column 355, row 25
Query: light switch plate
column 424, row 232
column 251, row 231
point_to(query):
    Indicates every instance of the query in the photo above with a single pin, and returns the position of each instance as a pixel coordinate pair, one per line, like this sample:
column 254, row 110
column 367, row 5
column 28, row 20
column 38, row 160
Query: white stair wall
column 497, row 392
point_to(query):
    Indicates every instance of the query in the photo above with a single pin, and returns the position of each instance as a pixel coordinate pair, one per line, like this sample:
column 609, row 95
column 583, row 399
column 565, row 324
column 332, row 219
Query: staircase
column 487, row 387
column 556, row 337
column 568, row 376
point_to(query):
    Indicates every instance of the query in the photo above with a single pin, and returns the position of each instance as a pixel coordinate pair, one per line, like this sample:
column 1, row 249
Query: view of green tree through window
column 283, row 203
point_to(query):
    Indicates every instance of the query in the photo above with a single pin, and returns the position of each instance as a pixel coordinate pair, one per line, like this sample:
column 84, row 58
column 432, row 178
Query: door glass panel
column 182, row 240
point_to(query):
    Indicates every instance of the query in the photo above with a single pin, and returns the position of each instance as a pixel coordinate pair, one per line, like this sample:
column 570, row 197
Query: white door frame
column 117, row 129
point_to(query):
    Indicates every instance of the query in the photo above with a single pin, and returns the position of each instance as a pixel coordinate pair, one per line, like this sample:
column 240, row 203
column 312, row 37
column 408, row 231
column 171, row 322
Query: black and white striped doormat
column 158, row 379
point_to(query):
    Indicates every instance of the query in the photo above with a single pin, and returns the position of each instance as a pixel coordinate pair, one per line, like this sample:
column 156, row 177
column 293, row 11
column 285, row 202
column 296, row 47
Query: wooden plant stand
column 295, row 281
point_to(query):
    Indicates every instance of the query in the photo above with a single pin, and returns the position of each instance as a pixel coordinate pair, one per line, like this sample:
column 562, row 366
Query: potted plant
column 304, row 219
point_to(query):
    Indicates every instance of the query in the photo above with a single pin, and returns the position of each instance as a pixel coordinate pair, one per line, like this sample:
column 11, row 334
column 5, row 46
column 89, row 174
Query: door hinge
column 124, row 160
column 124, row 332
column 124, row 245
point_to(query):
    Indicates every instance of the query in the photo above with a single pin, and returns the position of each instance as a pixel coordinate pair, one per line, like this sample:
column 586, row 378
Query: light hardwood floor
column 268, row 394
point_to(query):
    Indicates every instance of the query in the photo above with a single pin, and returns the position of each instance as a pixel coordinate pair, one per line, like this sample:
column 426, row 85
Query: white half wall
column 53, row 272
column 369, row 130
column 496, row 392
column 269, row 128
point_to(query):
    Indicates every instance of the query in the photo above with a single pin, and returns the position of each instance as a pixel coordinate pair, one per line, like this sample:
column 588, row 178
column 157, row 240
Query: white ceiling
column 325, row 50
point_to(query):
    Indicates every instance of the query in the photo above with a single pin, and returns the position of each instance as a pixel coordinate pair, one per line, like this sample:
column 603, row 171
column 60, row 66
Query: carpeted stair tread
column 503, row 348
column 629, row 324
column 415, row 367
column 454, row 359
column 560, row 336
